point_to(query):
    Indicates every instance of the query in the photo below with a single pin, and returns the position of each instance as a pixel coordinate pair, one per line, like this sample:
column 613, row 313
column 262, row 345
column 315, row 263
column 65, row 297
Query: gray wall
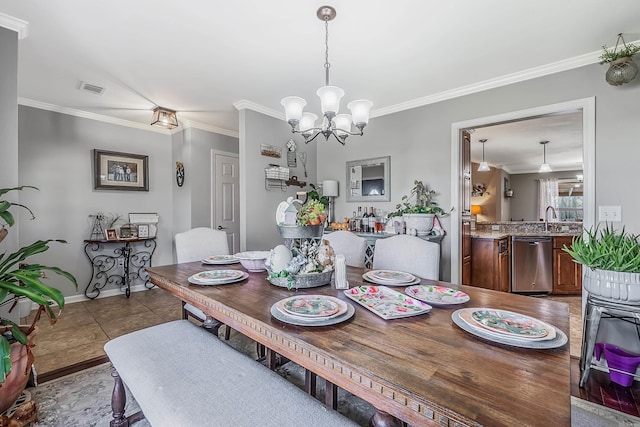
column 419, row 140
column 257, row 204
column 524, row 204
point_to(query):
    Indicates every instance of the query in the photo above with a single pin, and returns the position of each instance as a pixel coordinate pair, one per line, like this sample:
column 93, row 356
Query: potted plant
column 622, row 69
column 20, row 279
column 418, row 208
column 613, row 263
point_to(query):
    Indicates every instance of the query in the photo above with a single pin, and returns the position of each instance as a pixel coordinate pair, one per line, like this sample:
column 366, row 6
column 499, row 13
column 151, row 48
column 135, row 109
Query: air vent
column 95, row 89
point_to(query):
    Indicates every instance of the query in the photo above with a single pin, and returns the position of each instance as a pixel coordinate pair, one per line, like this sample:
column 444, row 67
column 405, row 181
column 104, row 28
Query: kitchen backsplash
column 529, row 227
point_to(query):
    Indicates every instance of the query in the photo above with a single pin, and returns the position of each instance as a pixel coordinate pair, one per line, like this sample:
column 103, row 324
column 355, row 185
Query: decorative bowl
column 614, row 286
column 252, row 260
column 306, row 232
column 301, row 281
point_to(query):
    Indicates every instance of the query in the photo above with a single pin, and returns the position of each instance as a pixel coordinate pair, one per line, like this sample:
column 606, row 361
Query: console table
column 118, row 262
column 371, row 242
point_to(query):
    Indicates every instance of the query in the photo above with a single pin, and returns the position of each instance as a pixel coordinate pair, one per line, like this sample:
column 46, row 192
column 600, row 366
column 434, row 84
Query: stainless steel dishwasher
column 531, row 260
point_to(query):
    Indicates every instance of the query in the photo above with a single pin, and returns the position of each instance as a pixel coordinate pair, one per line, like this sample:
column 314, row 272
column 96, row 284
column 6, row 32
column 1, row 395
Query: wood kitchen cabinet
column 466, row 252
column 567, row 274
column 491, row 264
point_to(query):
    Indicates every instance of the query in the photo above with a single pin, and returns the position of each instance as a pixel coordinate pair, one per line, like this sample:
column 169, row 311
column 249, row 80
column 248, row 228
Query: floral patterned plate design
column 391, row 276
column 312, row 306
column 387, row 303
column 243, row 275
column 220, row 259
column 508, row 324
column 366, row 276
column 319, row 321
column 560, row 338
column 437, row 295
column 215, row 276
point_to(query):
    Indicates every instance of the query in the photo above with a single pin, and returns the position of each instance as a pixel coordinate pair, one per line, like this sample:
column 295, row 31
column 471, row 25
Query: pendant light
column 544, row 167
column 484, row 167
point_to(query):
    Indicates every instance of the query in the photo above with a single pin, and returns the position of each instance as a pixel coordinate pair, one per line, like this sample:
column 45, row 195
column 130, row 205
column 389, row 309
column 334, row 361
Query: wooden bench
column 181, row 375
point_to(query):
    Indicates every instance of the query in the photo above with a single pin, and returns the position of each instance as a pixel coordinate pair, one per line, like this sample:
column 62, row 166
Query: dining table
column 424, row 370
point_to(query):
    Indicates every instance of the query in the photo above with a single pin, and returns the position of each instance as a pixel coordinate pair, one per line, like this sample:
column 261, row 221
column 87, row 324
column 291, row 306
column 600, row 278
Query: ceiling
column 202, row 57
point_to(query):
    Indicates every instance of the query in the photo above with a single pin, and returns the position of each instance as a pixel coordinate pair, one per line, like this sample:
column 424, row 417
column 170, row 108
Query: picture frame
column 120, row 171
column 143, row 231
column 111, row 234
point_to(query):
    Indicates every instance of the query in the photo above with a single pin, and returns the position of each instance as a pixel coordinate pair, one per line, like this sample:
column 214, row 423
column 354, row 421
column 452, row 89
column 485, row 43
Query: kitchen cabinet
column 491, row 263
column 567, row 274
column 466, row 252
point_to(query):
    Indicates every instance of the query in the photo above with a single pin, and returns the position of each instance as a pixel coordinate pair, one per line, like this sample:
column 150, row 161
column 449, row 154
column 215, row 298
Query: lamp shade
column 544, row 168
column 307, row 123
column 330, row 97
column 293, row 106
column 360, row 111
column 342, row 123
column 330, row 188
column 484, row 167
column 476, row 209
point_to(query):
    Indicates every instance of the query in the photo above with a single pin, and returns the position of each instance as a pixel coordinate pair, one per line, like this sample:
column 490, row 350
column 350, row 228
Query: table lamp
column 475, row 210
column 330, row 190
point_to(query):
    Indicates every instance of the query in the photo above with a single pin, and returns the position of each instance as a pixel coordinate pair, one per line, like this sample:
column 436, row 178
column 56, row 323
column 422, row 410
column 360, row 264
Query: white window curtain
column 547, row 196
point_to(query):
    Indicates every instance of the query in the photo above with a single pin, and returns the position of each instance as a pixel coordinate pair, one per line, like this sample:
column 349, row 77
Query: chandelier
column 338, row 125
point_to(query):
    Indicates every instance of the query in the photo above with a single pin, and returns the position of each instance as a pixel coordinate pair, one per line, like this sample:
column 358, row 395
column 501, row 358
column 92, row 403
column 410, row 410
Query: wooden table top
column 424, row 369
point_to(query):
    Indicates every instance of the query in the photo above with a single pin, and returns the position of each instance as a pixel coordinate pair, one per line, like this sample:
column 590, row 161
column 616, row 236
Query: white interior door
column 226, row 197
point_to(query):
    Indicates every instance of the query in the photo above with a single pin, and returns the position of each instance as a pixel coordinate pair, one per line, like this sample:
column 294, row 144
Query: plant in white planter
column 613, row 263
column 418, row 208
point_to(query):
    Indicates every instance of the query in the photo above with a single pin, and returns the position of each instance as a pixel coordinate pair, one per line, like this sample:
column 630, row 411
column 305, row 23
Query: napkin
column 340, row 271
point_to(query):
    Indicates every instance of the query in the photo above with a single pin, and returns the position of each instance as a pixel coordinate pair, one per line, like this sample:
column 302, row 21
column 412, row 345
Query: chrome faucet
column 546, row 216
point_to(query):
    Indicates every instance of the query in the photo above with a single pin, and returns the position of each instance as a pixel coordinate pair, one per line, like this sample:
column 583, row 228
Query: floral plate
column 220, row 259
column 216, row 276
column 243, row 275
column 387, row 303
column 312, row 306
column 301, row 321
column 366, row 276
column 507, row 324
column 391, row 276
column 437, row 295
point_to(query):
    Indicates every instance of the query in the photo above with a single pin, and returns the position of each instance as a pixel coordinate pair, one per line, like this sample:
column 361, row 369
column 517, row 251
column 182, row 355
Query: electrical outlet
column 610, row 213
column 495, row 228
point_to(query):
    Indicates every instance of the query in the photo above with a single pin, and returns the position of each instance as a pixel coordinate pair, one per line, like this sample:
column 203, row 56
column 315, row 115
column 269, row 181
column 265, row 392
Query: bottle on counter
column 372, row 220
column 352, row 223
column 359, row 220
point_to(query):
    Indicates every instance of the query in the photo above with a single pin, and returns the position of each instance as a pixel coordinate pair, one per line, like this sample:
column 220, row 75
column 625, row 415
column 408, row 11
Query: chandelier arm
column 306, row 141
column 340, row 140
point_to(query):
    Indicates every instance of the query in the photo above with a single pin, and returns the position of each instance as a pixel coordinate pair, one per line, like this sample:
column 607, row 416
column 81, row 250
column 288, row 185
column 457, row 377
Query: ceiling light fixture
column 484, row 166
column 338, row 125
column 164, row 117
column 544, row 167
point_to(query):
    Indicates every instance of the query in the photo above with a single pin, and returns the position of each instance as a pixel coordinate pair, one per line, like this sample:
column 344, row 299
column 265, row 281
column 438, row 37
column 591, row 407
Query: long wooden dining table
column 423, row 370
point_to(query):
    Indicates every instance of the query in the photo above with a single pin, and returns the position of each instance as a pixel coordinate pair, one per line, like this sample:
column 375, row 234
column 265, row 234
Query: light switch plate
column 610, row 213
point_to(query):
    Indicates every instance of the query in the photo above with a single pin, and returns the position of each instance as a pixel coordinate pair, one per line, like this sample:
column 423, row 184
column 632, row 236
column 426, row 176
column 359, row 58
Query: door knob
column 221, row 227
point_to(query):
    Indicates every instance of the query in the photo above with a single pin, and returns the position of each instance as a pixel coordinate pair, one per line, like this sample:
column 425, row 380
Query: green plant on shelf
column 419, row 200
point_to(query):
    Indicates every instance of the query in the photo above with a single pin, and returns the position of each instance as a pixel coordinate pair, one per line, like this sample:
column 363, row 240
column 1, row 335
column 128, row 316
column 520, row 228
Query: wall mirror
column 369, row 180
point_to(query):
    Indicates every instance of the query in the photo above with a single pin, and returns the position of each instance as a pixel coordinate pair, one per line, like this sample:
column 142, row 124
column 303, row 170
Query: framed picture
column 143, row 231
column 111, row 234
column 120, row 171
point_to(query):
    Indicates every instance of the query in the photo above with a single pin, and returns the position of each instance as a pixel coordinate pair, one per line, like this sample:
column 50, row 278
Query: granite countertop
column 504, row 234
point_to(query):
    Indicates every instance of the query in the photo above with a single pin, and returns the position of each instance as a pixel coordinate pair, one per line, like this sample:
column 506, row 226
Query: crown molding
column 532, row 73
column 249, row 105
column 18, row 25
column 186, row 124
column 92, row 116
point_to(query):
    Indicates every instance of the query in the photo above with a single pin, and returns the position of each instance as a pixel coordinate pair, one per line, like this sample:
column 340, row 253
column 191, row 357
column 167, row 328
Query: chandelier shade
column 333, row 123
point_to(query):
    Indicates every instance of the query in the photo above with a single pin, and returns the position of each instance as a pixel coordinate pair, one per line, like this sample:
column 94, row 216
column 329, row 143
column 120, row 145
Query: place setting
column 312, row 310
column 390, row 278
column 387, row 303
column 437, row 295
column 510, row 328
column 220, row 260
column 217, row 277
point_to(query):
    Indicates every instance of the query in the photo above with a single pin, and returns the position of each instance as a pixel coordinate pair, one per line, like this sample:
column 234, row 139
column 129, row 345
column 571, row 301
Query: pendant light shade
column 484, row 166
column 544, row 167
column 164, row 117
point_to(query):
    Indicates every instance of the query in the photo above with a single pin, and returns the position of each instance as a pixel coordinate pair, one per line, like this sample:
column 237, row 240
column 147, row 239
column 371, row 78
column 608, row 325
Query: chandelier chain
column 326, row 50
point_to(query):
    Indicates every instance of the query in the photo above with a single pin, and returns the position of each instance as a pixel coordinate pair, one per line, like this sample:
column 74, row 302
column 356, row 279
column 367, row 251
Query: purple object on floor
column 618, row 359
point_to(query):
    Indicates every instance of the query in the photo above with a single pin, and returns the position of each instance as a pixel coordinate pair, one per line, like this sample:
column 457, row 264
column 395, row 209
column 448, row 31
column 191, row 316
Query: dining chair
column 195, row 245
column 350, row 245
column 410, row 254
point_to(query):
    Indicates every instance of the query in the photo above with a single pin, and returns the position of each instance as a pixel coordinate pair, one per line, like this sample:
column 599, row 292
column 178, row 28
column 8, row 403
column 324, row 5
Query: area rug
column 84, row 398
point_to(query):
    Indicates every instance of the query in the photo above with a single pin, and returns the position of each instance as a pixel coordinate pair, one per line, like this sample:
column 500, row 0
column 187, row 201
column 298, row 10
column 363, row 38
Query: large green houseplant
column 21, row 279
column 612, row 261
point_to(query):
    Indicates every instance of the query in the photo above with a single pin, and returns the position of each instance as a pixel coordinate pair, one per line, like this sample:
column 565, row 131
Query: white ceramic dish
column 437, row 295
column 253, row 261
column 312, row 322
column 226, row 282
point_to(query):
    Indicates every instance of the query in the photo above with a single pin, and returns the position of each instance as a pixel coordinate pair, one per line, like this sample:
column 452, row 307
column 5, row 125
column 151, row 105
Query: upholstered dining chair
column 195, row 245
column 409, row 254
column 350, row 245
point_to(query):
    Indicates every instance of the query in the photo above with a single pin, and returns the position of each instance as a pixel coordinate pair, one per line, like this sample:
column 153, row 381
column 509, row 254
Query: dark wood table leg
column 310, row 382
column 331, row 395
column 383, row 419
column 271, row 359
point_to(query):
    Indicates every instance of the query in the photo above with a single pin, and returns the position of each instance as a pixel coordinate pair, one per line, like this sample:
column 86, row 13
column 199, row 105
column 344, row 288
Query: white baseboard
column 103, row 294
